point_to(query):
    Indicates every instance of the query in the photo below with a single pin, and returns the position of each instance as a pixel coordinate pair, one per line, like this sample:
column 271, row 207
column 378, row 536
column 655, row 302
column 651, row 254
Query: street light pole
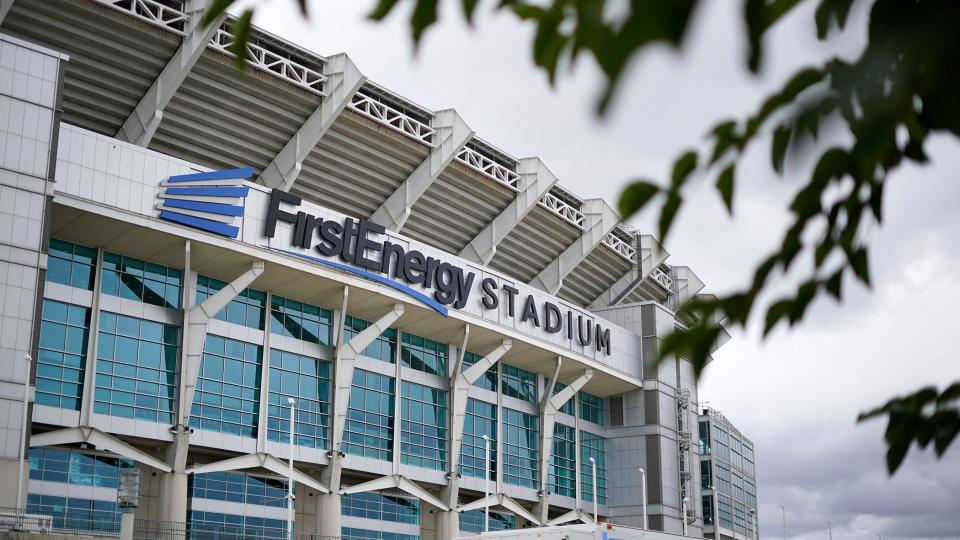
column 683, row 514
column 643, row 482
column 830, row 529
column 292, row 403
column 486, row 483
column 23, row 432
column 783, row 512
column 593, row 465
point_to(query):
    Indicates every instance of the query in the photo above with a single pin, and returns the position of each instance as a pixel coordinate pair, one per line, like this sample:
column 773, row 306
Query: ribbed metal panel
column 456, row 208
column 357, row 165
column 223, row 118
column 113, row 58
column 539, row 239
column 601, row 269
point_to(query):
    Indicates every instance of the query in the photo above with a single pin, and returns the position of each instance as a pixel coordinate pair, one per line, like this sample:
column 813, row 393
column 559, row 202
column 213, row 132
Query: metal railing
column 489, row 168
column 270, row 62
column 153, row 12
column 393, row 118
column 661, row 278
column 620, row 246
column 559, row 207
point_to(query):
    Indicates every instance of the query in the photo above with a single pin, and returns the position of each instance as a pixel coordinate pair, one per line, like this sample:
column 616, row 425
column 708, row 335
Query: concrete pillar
column 173, row 485
column 328, row 515
column 448, row 525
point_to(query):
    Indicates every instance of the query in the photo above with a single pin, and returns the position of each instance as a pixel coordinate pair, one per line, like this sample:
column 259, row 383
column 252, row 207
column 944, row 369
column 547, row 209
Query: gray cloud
column 796, row 394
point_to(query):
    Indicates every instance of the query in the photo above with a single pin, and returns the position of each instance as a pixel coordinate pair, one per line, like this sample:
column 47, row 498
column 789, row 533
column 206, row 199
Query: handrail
column 489, row 168
column 391, row 117
column 620, row 246
column 566, row 212
column 152, row 12
column 270, row 62
column 662, row 279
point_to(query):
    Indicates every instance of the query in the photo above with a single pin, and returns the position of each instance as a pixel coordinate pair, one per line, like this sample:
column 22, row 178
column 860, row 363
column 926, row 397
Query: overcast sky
column 797, row 394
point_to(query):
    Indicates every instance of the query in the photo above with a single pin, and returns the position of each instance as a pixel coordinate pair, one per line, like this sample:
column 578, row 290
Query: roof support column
column 328, row 505
column 452, row 133
column 599, row 219
column 536, row 179
column 550, row 403
column 143, row 122
column 650, row 254
column 5, row 6
column 460, row 384
column 343, row 81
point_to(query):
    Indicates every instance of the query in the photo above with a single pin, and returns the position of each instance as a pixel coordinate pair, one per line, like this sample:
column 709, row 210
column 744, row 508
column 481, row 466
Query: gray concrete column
column 328, row 515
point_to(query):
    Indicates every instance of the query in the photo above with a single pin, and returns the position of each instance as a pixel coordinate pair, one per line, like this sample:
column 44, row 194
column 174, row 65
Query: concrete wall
column 29, row 120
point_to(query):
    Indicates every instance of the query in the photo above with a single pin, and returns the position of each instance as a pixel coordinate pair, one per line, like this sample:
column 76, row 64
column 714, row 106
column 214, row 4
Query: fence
column 79, row 523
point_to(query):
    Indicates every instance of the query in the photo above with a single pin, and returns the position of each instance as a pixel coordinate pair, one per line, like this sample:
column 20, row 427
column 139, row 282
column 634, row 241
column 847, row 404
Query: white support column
column 599, row 219
column 452, row 133
column 264, row 404
column 173, row 503
column 143, row 122
column 90, row 367
column 259, row 460
column 536, row 179
column 328, row 505
column 5, row 6
column 98, row 439
column 399, row 482
column 343, row 81
column 573, row 515
column 549, row 405
column 195, row 333
column 504, row 500
column 650, row 255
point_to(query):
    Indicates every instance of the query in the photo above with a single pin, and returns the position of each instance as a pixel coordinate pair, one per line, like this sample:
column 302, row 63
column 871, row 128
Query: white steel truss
column 561, row 208
column 270, row 62
column 622, row 247
column 662, row 278
column 391, row 117
column 152, row 12
column 489, row 168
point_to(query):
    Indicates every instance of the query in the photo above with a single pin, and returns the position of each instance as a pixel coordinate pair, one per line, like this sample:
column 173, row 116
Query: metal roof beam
column 650, row 255
column 599, row 219
column 452, row 133
column 536, row 179
column 140, row 127
column 343, row 81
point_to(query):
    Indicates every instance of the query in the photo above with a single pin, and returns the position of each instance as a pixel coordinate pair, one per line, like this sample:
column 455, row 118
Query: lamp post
column 293, row 409
column 643, row 483
column 23, row 432
column 486, row 483
column 683, row 513
column 830, row 530
column 593, row 466
column 783, row 512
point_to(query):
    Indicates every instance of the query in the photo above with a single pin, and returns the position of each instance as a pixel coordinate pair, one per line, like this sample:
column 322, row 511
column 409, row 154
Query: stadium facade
column 727, row 477
column 184, row 247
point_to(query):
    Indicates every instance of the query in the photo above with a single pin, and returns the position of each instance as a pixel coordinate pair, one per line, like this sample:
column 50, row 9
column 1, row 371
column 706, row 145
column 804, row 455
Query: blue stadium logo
column 209, row 201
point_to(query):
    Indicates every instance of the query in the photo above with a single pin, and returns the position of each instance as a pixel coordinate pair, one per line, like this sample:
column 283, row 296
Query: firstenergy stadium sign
column 389, row 263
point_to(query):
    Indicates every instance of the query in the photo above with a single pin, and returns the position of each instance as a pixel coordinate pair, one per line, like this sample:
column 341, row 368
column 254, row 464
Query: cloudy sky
column 798, row 393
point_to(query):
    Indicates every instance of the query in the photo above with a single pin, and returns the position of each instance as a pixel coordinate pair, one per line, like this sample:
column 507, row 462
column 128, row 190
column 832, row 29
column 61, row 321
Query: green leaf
column 682, row 167
column 469, row 7
column 214, row 10
column 778, row 149
column 635, row 196
column 668, row 213
column 860, row 264
column 775, row 312
column 382, row 9
column 241, row 35
column 830, row 11
column 424, row 15
column 834, row 284
column 725, row 187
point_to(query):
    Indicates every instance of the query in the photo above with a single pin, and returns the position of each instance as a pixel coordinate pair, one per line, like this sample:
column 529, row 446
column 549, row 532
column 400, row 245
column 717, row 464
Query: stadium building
column 185, row 247
column 727, row 478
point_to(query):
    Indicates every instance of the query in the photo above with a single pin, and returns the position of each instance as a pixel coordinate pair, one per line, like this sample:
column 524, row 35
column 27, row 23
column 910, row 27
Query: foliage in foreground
column 902, row 88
